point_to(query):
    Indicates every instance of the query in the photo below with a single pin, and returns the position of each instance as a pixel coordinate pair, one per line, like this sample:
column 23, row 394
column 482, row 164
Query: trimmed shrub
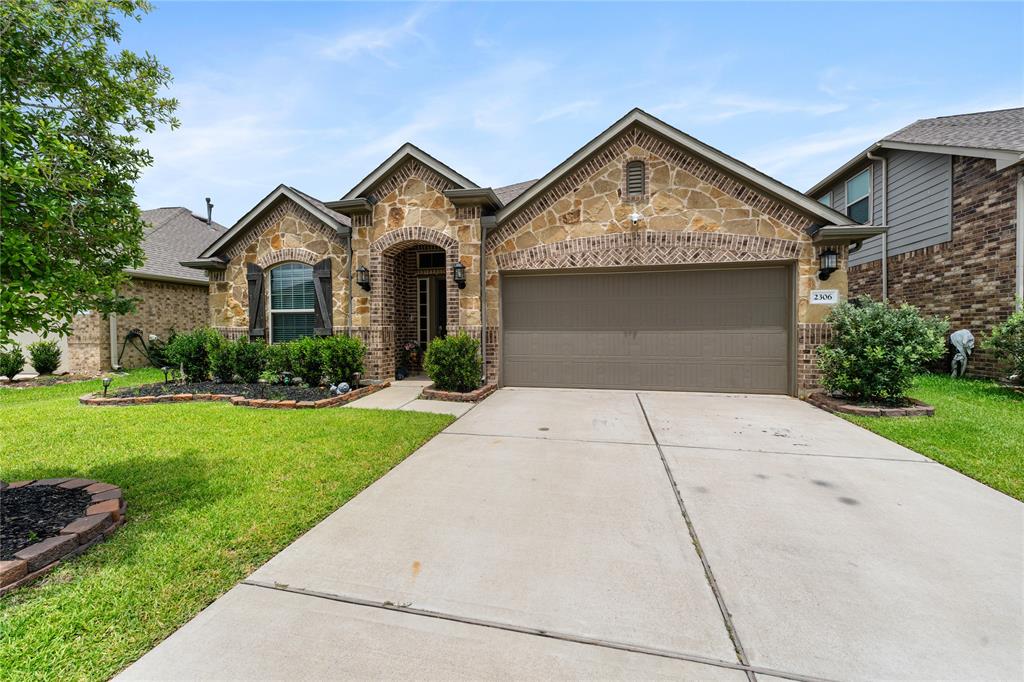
column 876, row 349
column 44, row 356
column 192, row 352
column 250, row 359
column 1007, row 343
column 278, row 360
column 222, row 361
column 11, row 361
column 307, row 359
column 453, row 363
column 342, row 357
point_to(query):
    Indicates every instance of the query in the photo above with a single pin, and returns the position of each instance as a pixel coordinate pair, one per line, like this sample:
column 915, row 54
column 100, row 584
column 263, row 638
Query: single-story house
column 645, row 260
column 951, row 191
column 171, row 296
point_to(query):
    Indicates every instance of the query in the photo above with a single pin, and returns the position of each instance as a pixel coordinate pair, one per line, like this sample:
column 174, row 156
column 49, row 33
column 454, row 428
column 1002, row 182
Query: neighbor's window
column 858, row 193
column 635, row 181
column 826, row 199
column 291, row 302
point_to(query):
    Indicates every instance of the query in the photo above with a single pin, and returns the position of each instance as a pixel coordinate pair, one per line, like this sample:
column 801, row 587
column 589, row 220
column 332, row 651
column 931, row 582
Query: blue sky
column 315, row 95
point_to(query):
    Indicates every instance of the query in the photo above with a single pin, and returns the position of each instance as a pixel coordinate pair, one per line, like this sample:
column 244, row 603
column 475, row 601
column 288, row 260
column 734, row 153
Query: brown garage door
column 693, row 330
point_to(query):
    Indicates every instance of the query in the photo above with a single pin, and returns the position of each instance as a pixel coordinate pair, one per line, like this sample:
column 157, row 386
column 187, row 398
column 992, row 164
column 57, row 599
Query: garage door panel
column 705, row 330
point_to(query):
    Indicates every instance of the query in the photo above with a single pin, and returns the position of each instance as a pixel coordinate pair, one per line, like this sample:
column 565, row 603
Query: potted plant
column 408, row 359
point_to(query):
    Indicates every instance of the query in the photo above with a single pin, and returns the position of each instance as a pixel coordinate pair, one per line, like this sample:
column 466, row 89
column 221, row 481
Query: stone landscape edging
column 431, row 393
column 237, row 400
column 839, row 406
column 104, row 515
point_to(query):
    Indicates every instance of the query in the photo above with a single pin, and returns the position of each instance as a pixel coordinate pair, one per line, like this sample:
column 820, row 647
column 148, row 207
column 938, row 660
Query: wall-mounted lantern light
column 828, row 262
column 459, row 275
column 363, row 278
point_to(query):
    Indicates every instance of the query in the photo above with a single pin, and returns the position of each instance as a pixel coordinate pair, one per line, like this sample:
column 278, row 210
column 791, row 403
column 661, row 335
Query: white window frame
column 268, row 287
column 871, row 181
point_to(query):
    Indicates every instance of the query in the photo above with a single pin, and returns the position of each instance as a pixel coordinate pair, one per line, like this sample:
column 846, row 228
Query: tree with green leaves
column 71, row 107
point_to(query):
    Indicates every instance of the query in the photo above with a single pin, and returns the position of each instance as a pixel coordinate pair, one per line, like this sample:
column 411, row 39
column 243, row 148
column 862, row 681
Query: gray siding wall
column 920, row 208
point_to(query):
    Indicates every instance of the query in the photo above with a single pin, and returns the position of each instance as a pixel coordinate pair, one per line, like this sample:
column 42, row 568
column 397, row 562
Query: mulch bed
column 47, row 521
column 246, row 395
column 260, row 391
column 34, row 513
column 47, row 380
column 431, row 393
column 838, row 405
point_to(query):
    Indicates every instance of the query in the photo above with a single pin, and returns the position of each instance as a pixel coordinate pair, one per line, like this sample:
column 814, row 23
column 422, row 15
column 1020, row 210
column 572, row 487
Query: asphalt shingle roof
column 343, row 219
column 175, row 234
column 1003, row 129
column 508, row 193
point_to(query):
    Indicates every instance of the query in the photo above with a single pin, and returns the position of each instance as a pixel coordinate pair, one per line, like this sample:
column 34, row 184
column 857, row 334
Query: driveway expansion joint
column 536, row 632
column 726, row 616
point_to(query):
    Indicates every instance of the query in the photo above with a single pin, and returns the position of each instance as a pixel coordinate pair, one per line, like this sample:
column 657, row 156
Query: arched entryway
column 413, row 297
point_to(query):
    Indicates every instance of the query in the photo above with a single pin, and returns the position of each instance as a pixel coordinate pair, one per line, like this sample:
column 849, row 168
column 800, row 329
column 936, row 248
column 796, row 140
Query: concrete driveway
column 611, row 534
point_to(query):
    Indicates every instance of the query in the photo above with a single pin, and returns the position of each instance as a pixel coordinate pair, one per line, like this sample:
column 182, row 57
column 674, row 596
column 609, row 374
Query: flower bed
column 430, row 393
column 49, row 520
column 243, row 395
column 912, row 408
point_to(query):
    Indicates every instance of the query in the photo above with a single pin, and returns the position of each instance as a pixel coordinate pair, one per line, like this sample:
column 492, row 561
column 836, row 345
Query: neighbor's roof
column 175, row 234
column 508, row 193
column 995, row 135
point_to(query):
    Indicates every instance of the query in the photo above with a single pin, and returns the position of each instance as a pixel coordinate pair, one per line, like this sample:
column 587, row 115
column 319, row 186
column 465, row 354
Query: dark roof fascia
column 1003, row 158
column 792, row 197
column 474, row 196
column 134, row 274
column 215, row 263
column 845, row 234
column 407, row 151
column 329, row 218
column 350, row 207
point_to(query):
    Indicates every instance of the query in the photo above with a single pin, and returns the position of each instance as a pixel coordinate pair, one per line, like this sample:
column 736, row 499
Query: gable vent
column 635, row 180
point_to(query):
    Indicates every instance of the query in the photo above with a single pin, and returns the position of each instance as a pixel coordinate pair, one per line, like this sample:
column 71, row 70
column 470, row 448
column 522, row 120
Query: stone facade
column 287, row 233
column 970, row 278
column 162, row 308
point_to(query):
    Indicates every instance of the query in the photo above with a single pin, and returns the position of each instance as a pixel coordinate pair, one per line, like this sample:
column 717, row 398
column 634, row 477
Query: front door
column 432, row 307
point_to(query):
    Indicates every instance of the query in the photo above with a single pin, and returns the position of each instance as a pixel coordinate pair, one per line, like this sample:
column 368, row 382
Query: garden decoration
column 963, row 343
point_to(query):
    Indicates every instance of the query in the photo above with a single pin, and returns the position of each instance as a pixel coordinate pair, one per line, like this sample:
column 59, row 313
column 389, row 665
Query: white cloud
column 566, row 110
column 374, row 41
column 705, row 105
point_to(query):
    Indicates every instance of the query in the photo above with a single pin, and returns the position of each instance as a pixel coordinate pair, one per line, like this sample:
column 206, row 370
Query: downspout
column 112, row 319
column 1020, row 241
column 351, row 294
column 486, row 221
column 885, row 222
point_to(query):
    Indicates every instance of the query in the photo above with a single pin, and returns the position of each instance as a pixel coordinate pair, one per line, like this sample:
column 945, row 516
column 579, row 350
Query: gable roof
column 315, row 206
column 402, row 154
column 793, row 198
column 995, row 135
column 508, row 193
column 174, row 234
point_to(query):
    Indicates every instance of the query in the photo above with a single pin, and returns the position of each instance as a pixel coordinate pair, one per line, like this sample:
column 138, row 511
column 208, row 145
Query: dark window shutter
column 257, row 306
column 635, row 178
column 323, row 324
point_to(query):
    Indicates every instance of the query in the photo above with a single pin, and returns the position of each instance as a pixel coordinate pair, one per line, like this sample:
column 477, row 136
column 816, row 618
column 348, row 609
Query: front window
column 858, row 197
column 826, row 199
column 291, row 302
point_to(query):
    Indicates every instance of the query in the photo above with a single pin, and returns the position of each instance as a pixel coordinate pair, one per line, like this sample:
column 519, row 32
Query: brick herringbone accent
column 406, row 171
column 301, row 255
column 650, row 248
column 284, row 206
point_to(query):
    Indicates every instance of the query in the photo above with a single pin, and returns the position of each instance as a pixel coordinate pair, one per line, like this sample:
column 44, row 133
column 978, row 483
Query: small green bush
column 192, row 352
column 250, row 359
column 279, row 360
column 222, row 362
column 11, row 361
column 1007, row 343
column 342, row 357
column 453, row 363
column 44, row 356
column 157, row 349
column 307, row 359
column 876, row 349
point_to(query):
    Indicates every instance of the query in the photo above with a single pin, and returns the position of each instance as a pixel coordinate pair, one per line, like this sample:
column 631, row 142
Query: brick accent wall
column 164, row 307
column 970, row 278
column 808, row 337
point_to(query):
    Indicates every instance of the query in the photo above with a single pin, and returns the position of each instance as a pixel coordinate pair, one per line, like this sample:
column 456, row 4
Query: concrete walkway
column 405, row 395
column 607, row 534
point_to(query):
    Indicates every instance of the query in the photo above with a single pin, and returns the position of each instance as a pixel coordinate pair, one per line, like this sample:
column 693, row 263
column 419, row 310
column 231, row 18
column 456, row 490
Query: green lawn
column 213, row 491
column 978, row 429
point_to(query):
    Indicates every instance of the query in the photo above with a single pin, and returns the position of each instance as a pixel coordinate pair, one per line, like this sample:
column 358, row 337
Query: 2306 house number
column 825, row 296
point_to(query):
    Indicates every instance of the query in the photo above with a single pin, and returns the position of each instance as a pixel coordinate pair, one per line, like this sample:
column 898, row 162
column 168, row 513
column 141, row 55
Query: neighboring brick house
column 171, row 296
column 646, row 260
column 951, row 191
